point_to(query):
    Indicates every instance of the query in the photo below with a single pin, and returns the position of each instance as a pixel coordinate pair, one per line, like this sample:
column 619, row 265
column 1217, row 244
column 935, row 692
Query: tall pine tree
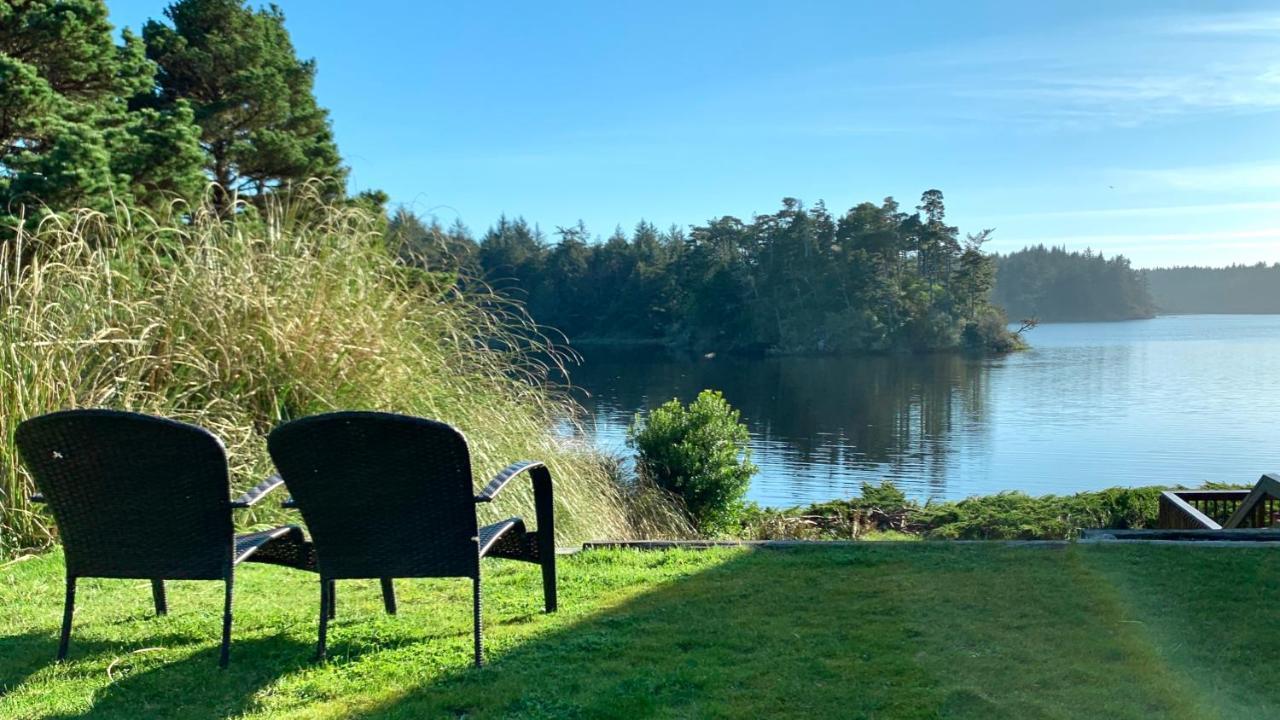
column 253, row 98
column 73, row 128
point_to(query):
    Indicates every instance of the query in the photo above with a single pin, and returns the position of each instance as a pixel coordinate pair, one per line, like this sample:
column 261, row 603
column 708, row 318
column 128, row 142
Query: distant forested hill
column 1234, row 289
column 1054, row 285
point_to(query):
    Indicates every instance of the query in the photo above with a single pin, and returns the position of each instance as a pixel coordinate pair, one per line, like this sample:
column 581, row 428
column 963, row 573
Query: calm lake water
column 1178, row 399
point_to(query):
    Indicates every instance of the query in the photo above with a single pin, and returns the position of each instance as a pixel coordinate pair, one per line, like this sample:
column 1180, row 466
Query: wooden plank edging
column 784, row 544
column 1247, row 539
column 1190, row 534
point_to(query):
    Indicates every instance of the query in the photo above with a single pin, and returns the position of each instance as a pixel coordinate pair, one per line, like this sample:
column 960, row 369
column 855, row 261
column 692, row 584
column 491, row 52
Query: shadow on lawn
column 722, row 642
column 22, row 655
column 148, row 686
column 920, row 632
column 193, row 688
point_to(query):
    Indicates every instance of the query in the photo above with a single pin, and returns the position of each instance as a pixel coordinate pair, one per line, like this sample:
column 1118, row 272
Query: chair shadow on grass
column 193, row 687
column 144, row 686
column 23, row 655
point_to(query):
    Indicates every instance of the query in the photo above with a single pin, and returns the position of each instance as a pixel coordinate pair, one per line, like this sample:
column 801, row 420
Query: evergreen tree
column 252, row 97
column 976, row 275
column 512, row 254
column 75, row 129
column 428, row 245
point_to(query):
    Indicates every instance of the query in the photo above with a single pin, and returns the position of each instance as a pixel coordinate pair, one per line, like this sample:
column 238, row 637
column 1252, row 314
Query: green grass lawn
column 879, row 630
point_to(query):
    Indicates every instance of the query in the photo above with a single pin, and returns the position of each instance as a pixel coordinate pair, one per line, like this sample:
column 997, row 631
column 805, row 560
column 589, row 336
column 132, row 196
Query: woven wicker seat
column 136, row 496
column 390, row 496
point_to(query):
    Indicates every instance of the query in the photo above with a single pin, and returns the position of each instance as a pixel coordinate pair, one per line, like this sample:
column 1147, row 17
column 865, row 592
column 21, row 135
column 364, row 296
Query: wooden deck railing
column 1262, row 515
column 1222, row 509
column 1178, row 512
column 1189, row 509
column 1258, row 510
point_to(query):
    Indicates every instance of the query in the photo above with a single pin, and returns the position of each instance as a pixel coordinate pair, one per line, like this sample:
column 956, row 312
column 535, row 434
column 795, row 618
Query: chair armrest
column 500, row 480
column 257, row 492
column 36, row 497
column 543, row 506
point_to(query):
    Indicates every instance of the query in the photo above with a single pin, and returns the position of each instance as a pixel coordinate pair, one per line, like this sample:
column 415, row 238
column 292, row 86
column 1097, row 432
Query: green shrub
column 1003, row 516
column 1017, row 516
column 989, row 333
column 886, row 495
column 700, row 454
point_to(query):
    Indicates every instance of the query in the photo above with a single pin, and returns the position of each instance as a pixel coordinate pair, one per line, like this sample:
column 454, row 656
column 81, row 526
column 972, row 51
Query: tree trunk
column 223, row 196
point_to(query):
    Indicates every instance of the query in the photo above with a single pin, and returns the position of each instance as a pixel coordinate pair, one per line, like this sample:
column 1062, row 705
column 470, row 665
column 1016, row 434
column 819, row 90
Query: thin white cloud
column 1162, row 211
column 1119, row 73
column 1251, row 238
column 1233, row 178
column 1133, row 96
column 1124, row 72
column 1209, row 88
column 1248, row 23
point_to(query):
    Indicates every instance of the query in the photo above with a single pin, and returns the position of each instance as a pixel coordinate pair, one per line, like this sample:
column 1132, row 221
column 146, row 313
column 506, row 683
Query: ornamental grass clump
column 239, row 321
column 698, row 453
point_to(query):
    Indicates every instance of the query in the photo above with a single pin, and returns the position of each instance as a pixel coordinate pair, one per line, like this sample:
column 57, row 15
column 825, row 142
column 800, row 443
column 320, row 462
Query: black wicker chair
column 389, row 496
column 136, row 496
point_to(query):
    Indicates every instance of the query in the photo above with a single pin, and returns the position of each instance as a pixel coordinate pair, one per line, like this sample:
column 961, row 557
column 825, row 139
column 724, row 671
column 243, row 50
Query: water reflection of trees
column 884, row 416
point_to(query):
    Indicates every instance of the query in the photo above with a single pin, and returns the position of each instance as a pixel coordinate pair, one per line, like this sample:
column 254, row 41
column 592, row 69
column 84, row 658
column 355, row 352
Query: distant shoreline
column 658, row 345
column 1154, row 317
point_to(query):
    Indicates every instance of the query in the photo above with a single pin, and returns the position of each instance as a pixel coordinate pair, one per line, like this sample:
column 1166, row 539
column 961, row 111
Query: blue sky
column 1145, row 128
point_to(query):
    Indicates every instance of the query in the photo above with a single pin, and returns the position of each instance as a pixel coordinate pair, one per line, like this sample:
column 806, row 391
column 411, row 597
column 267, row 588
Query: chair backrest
column 383, row 495
column 133, row 495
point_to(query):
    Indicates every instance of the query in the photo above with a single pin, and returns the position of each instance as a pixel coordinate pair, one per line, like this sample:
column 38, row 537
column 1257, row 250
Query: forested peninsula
column 802, row 279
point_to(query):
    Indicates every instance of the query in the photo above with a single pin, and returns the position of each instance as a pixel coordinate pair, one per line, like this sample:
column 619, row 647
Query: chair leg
column 324, row 618
column 389, row 596
column 225, row 657
column 546, row 538
column 68, row 608
column 478, row 623
column 157, row 594
column 549, row 582
column 333, row 599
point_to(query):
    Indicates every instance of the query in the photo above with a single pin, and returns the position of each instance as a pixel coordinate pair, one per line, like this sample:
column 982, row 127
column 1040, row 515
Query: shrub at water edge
column 1003, row 516
column 698, row 453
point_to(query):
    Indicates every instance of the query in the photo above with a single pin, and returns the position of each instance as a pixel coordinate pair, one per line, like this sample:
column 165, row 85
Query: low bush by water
column 1004, row 516
column 699, row 454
